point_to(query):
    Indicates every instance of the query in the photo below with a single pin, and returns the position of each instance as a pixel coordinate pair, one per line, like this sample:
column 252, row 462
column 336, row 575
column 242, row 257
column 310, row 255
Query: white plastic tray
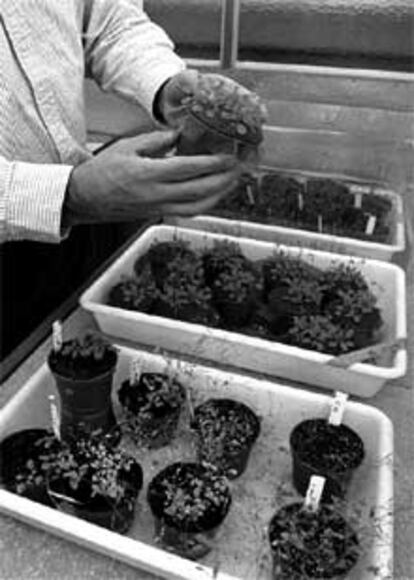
column 241, row 551
column 230, row 348
column 308, row 239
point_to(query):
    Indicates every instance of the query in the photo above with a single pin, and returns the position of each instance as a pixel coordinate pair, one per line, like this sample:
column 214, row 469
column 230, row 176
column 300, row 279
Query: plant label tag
column 134, row 370
column 320, row 224
column 190, row 404
column 54, row 415
column 250, row 196
column 371, row 223
column 358, row 200
column 300, row 201
column 314, row 492
column 337, row 408
column 57, row 335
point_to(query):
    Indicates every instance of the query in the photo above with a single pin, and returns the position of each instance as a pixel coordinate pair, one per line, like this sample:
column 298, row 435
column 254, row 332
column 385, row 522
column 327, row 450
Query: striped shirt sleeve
column 31, row 201
column 128, row 54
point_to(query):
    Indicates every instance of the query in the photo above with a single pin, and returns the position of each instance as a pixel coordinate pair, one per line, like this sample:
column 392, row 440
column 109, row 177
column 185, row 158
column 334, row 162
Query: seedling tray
column 241, row 551
column 256, row 354
column 294, row 235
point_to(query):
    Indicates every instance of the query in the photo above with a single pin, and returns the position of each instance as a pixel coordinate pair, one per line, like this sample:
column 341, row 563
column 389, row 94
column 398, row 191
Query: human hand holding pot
column 126, row 182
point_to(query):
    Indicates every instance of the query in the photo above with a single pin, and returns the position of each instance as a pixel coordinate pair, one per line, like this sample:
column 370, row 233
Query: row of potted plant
column 86, row 473
column 322, row 205
column 282, row 298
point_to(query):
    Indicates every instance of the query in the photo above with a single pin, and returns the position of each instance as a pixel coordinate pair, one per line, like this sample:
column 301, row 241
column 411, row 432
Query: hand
column 124, row 183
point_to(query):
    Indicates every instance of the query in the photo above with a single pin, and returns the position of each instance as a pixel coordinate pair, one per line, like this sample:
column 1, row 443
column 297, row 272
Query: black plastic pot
column 188, row 531
column 152, row 427
column 312, row 545
column 86, row 404
column 213, row 422
column 333, row 452
column 198, row 138
column 15, row 451
column 99, row 509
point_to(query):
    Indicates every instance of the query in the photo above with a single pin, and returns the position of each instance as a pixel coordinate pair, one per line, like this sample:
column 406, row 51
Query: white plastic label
column 320, row 224
column 250, row 195
column 54, row 416
column 371, row 223
column 57, row 335
column 134, row 370
column 358, row 200
column 314, row 492
column 337, row 408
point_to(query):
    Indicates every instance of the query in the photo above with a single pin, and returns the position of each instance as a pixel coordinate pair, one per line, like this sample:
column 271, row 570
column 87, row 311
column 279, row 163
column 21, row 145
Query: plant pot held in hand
column 332, row 451
column 226, row 431
column 221, row 117
column 83, row 370
column 311, row 545
column 152, row 407
column 189, row 501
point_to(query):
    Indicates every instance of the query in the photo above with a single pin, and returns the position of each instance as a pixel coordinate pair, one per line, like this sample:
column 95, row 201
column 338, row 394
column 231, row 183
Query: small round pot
column 187, row 529
column 15, row 451
column 152, row 428
column 303, row 545
column 86, row 404
column 99, row 509
column 213, row 422
column 333, row 452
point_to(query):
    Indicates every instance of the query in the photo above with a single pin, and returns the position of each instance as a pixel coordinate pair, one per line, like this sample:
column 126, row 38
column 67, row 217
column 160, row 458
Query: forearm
column 31, row 201
column 126, row 53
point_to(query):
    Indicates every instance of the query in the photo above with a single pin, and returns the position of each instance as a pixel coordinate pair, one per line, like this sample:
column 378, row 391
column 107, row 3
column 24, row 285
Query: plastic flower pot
column 311, row 545
column 152, row 407
column 226, row 431
column 86, row 404
column 221, row 118
column 83, row 370
column 20, row 464
column 189, row 501
column 333, row 452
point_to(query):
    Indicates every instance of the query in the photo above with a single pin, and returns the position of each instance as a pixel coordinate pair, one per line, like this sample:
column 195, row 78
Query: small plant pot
column 189, row 501
column 99, row 509
column 86, row 404
column 235, row 314
column 313, row 545
column 226, row 431
column 83, row 370
column 20, row 464
column 221, row 118
column 152, row 407
column 333, row 452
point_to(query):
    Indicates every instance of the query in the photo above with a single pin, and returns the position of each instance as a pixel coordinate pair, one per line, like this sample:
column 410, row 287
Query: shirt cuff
column 33, row 201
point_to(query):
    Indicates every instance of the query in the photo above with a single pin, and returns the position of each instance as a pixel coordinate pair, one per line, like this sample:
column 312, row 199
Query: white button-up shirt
column 45, row 48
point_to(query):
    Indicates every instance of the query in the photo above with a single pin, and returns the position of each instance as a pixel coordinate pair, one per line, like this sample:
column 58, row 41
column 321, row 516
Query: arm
column 31, row 200
column 126, row 53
